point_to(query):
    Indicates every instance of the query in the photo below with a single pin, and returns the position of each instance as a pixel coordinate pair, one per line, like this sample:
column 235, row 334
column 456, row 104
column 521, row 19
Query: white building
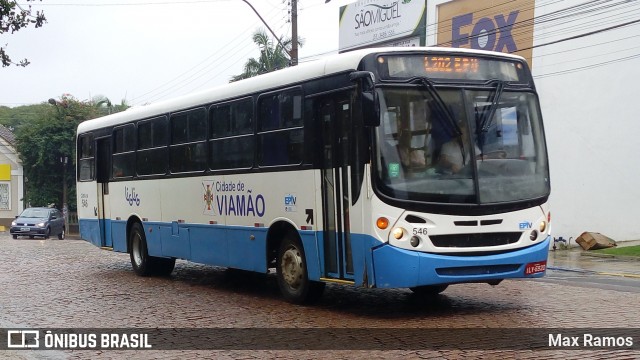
column 11, row 179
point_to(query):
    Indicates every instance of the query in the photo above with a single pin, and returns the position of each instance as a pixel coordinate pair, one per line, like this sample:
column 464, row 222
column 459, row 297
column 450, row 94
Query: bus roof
column 328, row 65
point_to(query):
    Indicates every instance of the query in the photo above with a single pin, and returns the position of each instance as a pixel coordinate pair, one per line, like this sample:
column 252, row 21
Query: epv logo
column 525, row 225
column 290, row 199
column 487, row 33
column 290, row 202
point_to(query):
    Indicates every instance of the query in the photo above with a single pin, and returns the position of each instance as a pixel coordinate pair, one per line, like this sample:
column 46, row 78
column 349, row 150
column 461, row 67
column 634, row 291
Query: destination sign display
column 450, row 64
column 445, row 66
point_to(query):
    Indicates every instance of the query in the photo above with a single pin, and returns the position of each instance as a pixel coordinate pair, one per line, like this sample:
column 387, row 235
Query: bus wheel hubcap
column 292, row 267
column 136, row 250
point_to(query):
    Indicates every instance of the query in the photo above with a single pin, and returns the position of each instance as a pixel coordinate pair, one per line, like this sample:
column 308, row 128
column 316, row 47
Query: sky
column 143, row 51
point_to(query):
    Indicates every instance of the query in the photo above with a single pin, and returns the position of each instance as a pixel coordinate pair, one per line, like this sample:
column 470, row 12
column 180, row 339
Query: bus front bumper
column 396, row 268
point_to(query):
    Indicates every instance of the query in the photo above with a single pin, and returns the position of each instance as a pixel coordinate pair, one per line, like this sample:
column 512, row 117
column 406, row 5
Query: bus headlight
column 543, row 226
column 398, row 233
column 534, row 235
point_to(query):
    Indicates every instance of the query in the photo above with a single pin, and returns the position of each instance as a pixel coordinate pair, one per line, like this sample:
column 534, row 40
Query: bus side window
column 281, row 133
column 124, row 146
column 152, row 147
column 188, row 141
column 231, row 144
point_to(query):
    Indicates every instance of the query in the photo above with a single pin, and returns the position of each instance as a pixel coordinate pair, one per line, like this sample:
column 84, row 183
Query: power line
column 200, row 68
column 582, row 35
column 587, row 67
column 131, row 3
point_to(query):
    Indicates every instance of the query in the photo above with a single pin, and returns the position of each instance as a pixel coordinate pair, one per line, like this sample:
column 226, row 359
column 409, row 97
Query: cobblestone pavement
column 72, row 284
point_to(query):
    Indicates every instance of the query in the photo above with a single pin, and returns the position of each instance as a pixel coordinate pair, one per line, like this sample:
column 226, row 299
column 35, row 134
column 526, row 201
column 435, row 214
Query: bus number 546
column 420, row 231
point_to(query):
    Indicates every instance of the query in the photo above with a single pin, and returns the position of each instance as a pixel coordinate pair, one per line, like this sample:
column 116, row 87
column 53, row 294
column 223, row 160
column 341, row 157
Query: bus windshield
column 492, row 151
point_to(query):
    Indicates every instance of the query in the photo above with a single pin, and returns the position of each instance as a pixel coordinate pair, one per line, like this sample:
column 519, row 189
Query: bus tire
column 291, row 268
column 428, row 290
column 142, row 263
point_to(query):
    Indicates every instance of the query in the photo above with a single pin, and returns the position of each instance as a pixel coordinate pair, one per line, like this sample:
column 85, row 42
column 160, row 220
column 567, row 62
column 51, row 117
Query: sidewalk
column 578, row 260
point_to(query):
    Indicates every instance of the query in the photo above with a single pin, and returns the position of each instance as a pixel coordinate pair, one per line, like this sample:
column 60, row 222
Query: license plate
column 536, row 267
column 25, row 229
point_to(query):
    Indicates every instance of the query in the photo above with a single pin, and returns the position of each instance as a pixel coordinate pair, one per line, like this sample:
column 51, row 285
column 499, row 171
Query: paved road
column 72, row 284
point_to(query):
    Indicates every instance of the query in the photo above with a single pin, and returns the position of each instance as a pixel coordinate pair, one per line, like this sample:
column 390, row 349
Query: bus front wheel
column 142, row 263
column 293, row 279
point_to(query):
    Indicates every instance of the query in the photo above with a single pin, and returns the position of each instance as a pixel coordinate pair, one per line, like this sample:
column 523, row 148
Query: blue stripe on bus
column 90, row 231
column 229, row 246
column 374, row 264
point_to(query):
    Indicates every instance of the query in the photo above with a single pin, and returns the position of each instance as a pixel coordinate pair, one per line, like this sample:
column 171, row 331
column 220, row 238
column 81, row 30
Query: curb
column 583, row 271
column 633, row 276
column 571, row 270
column 612, row 256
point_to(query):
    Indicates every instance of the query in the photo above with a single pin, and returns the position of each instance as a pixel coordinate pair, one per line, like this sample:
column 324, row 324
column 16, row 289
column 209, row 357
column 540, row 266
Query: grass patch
column 625, row 251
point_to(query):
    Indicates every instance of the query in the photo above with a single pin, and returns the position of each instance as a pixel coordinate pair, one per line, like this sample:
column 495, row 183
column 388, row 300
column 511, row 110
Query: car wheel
column 291, row 268
column 15, row 236
column 142, row 263
column 47, row 233
column 61, row 235
column 31, row 236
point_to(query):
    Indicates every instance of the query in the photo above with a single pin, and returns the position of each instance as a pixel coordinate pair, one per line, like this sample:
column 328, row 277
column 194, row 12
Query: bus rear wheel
column 142, row 263
column 293, row 279
column 428, row 290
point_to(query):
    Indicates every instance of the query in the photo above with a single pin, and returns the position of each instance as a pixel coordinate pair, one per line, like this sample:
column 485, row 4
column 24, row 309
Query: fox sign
column 500, row 25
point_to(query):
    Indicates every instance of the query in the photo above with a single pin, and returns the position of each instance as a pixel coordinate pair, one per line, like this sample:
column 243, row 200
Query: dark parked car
column 38, row 222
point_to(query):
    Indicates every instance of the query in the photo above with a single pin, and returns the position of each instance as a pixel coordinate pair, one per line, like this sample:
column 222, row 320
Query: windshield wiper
column 484, row 122
column 487, row 117
column 441, row 105
column 443, row 109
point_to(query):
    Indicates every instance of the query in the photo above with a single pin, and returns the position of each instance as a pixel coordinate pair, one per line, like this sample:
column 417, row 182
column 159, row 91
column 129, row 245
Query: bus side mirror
column 369, row 104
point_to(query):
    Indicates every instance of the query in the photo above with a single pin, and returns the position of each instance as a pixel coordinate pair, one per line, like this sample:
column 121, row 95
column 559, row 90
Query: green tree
column 43, row 147
column 105, row 107
column 272, row 56
column 14, row 17
column 15, row 117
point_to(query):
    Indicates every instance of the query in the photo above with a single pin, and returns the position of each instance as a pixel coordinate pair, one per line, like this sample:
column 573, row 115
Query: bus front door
column 334, row 113
column 103, row 170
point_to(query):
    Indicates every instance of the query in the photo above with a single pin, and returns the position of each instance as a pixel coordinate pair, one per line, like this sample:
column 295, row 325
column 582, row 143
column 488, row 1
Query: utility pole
column 271, row 31
column 294, row 32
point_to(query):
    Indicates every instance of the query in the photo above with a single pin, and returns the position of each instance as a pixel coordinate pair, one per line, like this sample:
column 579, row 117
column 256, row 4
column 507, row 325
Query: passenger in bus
column 410, row 157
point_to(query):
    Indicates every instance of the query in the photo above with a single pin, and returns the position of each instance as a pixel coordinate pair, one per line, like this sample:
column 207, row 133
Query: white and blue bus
column 382, row 168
